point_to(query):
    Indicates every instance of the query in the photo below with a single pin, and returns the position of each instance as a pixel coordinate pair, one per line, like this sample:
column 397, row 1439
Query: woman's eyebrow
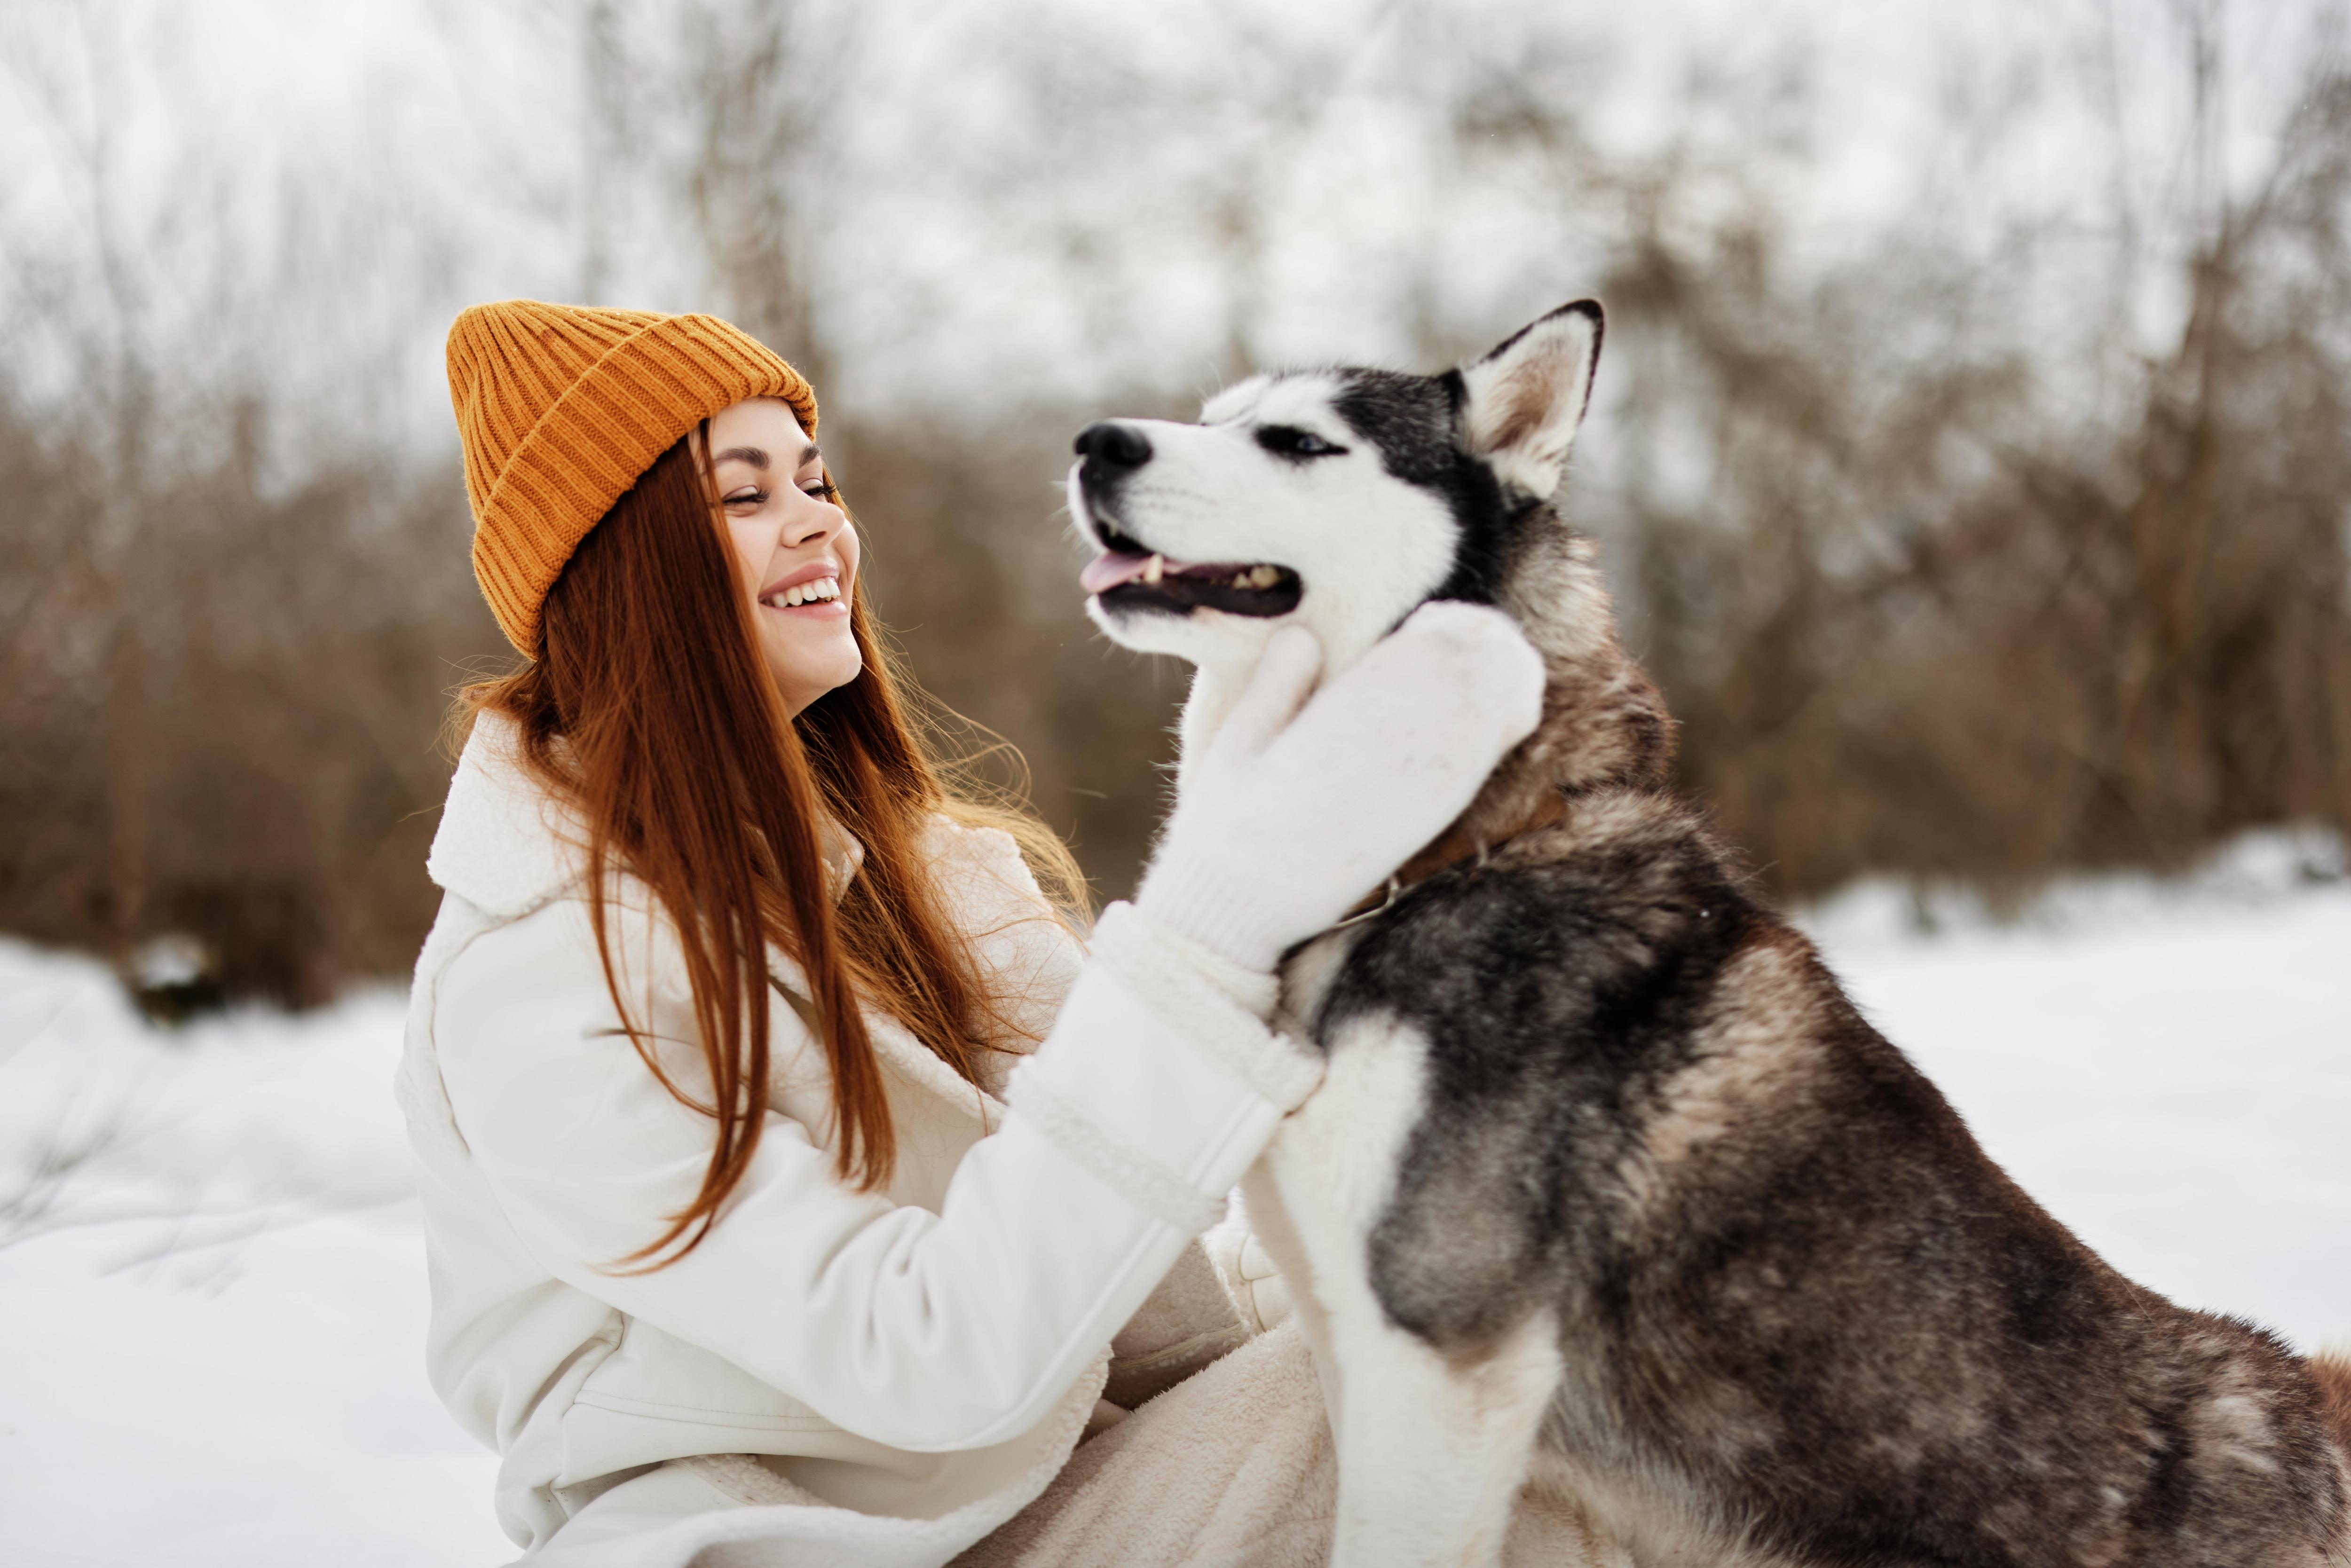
column 757, row 457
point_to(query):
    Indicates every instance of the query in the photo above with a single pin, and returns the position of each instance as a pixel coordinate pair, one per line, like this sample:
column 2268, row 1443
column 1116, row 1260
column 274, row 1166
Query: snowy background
column 212, row 1282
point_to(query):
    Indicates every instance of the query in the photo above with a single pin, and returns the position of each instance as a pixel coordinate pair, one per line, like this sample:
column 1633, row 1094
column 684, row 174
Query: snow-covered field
column 212, row 1289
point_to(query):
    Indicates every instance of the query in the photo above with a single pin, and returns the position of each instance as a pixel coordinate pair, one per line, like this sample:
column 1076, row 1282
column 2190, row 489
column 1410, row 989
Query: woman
column 741, row 1229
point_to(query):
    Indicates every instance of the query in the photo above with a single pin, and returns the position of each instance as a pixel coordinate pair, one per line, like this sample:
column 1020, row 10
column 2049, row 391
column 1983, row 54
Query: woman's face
column 795, row 551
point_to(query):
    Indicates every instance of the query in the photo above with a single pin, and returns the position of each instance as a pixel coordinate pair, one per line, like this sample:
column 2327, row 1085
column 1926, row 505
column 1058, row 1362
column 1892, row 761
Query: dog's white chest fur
column 1431, row 1452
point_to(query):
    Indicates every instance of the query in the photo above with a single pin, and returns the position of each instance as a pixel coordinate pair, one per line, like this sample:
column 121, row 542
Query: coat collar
column 509, row 846
column 506, row 845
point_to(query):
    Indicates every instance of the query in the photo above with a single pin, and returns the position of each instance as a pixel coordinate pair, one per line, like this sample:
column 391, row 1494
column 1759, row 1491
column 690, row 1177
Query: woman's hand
column 1294, row 814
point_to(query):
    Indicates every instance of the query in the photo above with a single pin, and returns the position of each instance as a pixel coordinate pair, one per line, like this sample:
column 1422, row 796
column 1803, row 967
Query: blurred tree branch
column 1978, row 540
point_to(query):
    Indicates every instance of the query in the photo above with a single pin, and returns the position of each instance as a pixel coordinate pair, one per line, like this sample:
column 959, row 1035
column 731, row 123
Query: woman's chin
column 805, row 668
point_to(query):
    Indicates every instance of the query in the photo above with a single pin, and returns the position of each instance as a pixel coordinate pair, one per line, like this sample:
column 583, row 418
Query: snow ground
column 212, row 1283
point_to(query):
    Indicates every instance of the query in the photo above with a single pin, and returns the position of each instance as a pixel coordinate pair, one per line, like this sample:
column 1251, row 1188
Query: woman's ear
column 1525, row 399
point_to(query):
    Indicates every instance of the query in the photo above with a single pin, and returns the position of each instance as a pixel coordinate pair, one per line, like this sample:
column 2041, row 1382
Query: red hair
column 650, row 708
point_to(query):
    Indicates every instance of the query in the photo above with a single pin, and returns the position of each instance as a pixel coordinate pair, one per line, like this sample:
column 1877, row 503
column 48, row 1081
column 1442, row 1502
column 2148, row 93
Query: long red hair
column 649, row 707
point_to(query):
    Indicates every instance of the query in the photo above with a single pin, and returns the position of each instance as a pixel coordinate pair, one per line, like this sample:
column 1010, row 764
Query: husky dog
column 1609, row 1193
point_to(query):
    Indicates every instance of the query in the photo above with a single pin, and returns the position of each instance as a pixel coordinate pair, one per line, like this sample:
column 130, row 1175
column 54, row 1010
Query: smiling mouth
column 1129, row 577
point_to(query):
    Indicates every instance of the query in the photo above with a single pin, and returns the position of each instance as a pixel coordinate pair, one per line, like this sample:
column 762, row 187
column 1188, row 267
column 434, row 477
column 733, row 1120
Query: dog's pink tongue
column 1107, row 571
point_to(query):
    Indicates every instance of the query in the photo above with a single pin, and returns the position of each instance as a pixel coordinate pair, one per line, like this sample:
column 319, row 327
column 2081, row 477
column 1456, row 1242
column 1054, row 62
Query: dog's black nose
column 1118, row 445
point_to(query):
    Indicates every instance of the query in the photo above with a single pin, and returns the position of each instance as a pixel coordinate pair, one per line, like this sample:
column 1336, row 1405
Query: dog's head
column 1337, row 499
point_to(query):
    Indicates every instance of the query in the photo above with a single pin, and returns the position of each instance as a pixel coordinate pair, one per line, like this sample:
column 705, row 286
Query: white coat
column 912, row 1366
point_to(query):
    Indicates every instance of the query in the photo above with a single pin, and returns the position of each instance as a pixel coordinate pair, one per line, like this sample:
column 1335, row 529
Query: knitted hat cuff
column 596, row 438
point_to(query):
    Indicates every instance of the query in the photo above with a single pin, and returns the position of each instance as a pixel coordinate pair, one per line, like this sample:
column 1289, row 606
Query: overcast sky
column 434, row 153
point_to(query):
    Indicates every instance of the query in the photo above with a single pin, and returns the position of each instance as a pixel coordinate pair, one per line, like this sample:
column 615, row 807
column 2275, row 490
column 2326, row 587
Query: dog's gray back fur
column 1793, row 1300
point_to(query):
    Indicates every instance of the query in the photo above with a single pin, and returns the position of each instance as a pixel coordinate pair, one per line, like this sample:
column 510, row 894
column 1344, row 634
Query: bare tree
column 1919, row 605
column 767, row 79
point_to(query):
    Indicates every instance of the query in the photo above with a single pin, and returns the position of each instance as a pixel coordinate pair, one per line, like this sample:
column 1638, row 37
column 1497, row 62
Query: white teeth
column 1153, row 568
column 818, row 592
column 1264, row 576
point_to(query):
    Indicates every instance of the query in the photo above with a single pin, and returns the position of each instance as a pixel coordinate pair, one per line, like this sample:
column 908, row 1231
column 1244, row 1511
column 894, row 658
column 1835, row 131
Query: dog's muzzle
column 1130, row 576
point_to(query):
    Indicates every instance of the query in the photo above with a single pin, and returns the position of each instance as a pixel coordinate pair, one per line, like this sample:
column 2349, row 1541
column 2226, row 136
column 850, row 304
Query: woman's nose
column 810, row 523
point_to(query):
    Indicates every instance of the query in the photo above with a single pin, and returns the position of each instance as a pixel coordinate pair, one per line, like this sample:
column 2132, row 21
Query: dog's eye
column 1288, row 441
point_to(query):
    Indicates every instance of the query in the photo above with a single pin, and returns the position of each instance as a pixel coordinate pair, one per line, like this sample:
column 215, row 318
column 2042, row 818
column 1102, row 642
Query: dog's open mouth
column 1128, row 577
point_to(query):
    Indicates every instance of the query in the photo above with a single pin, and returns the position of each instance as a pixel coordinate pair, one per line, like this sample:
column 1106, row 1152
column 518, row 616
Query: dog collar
column 1456, row 846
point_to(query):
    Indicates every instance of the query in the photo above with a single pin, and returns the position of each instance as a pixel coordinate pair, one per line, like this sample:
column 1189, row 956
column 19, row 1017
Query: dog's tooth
column 1244, row 579
column 1264, row 576
column 1154, row 569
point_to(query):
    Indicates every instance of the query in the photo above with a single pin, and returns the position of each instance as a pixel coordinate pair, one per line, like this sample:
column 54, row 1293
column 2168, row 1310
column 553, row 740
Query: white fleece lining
column 505, row 844
column 1152, row 1185
column 1157, row 974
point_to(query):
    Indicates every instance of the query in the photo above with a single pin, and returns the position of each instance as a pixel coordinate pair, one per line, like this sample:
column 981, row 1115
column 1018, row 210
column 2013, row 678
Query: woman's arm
column 925, row 1331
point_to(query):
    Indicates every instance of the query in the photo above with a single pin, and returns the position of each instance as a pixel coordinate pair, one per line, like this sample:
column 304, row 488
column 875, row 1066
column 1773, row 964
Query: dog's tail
column 2331, row 1369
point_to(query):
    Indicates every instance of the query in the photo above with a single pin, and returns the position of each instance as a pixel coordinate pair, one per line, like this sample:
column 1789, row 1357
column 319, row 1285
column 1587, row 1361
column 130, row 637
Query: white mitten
column 1288, row 820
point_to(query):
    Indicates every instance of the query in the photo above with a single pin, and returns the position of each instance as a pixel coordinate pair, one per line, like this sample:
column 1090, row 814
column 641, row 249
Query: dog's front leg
column 1433, row 1444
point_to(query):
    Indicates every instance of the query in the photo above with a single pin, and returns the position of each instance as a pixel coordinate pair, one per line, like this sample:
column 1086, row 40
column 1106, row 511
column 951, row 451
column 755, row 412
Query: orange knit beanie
column 560, row 408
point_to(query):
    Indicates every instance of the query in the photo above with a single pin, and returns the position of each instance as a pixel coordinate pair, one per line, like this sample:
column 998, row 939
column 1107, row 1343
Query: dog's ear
column 1524, row 400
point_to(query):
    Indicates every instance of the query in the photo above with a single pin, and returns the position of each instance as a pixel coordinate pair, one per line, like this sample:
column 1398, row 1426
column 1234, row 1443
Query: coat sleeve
column 1151, row 1096
column 1032, row 959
